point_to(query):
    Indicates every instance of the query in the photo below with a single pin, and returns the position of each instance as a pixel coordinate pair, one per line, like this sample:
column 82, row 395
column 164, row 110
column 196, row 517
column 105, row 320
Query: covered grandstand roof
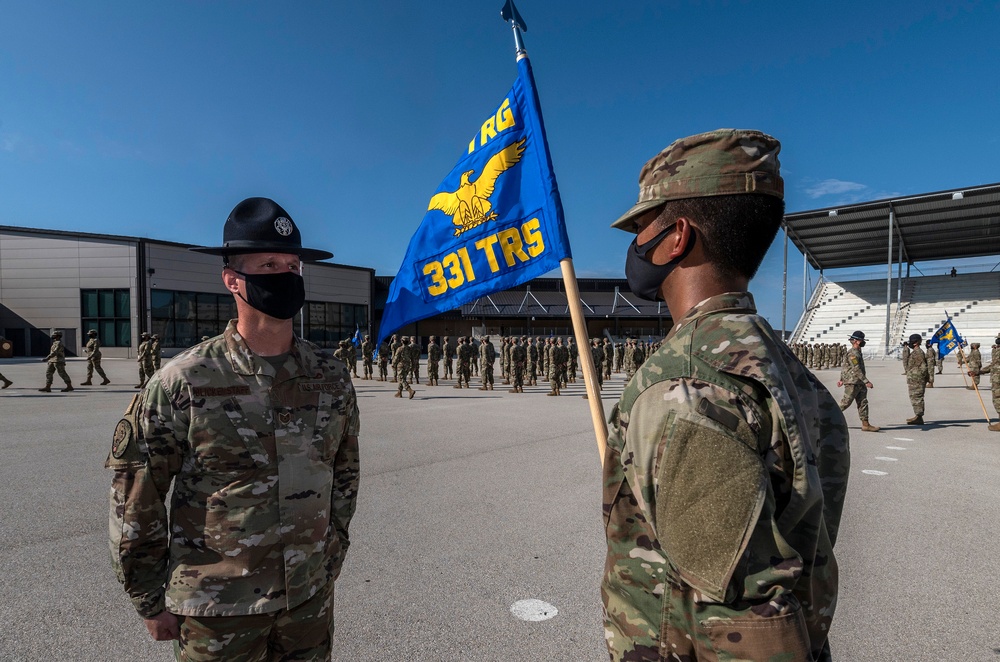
column 933, row 226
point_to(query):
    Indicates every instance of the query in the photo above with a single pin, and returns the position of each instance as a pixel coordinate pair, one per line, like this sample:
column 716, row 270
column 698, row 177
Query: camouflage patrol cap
column 720, row 162
column 92, row 332
column 144, row 334
column 57, row 334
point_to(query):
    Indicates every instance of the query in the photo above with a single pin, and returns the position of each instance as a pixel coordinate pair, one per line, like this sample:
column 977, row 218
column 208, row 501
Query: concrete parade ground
column 472, row 501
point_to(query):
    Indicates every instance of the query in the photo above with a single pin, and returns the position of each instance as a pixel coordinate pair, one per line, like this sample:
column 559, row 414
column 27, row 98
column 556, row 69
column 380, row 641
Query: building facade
column 122, row 286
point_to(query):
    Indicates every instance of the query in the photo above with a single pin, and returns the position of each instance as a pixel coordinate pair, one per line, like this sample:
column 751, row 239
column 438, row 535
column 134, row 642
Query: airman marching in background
column 144, row 357
column 57, row 363
column 93, row 349
column 449, row 357
column 487, row 355
column 855, row 381
column 401, row 359
column 519, row 358
column 384, row 356
column 156, row 353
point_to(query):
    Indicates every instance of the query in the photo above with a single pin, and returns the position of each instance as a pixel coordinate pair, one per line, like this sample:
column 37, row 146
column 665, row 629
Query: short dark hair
column 736, row 230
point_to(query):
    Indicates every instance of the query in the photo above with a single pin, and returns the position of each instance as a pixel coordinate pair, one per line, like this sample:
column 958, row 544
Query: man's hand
column 163, row 626
column 869, row 385
column 839, row 383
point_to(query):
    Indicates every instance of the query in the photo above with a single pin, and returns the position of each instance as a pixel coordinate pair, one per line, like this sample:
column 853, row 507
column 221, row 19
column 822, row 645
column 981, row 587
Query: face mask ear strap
column 642, row 249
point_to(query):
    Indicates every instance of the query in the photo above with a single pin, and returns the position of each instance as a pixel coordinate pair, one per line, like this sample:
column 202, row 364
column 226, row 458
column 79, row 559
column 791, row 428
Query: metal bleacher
column 837, row 309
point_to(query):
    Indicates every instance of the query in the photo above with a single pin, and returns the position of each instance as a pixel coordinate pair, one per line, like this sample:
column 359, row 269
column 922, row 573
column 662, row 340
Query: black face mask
column 278, row 295
column 644, row 276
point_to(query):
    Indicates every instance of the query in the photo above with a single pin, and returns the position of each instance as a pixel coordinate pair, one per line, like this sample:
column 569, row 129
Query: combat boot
column 552, row 392
column 411, row 393
column 916, row 420
column 512, row 390
column 929, row 385
column 491, row 387
column 87, row 383
column 458, row 385
column 868, row 427
column 69, row 387
column 399, row 394
column 6, row 383
column 483, row 388
column 993, row 427
column 47, row 389
column 105, row 382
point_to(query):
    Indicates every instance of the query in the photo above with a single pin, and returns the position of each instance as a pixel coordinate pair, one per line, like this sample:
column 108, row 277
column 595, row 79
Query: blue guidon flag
column 495, row 221
column 947, row 338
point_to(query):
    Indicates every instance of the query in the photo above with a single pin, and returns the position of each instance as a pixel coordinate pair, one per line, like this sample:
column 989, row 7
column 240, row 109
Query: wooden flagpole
column 975, row 387
column 586, row 358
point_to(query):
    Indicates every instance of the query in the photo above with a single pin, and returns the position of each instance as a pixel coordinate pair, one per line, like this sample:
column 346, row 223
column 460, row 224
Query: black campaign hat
column 260, row 225
column 857, row 335
column 915, row 338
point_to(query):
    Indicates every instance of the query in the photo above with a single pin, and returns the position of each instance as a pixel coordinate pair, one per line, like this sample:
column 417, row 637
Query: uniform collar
column 301, row 359
column 741, row 302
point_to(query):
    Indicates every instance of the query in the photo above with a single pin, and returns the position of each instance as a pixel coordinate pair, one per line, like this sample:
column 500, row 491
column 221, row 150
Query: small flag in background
column 495, row 221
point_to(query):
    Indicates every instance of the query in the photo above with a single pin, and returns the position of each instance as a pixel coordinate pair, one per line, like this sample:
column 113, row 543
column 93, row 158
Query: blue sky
column 154, row 119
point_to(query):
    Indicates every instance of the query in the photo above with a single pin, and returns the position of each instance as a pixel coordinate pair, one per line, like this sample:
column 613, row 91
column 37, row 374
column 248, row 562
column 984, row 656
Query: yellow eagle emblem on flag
column 470, row 206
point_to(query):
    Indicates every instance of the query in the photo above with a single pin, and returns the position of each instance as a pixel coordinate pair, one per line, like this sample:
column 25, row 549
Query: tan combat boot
column 399, row 394
column 47, row 389
column 868, row 427
column 105, row 382
column 69, row 387
column 87, row 383
column 993, row 427
column 411, row 393
column 916, row 420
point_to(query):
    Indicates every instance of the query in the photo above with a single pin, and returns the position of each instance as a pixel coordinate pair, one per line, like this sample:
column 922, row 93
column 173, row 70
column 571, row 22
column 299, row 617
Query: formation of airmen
column 820, row 356
column 524, row 360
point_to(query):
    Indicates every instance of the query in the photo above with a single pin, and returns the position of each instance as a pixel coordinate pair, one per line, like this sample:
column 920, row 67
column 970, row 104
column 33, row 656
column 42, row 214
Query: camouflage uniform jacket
column 724, row 482
column 518, row 355
column 402, row 359
column 434, row 352
column 57, row 353
column 384, row 353
column 931, row 357
column 93, row 348
column 264, row 465
column 487, row 353
column 974, row 359
column 367, row 350
column 853, row 369
column 144, row 353
column 993, row 367
column 916, row 366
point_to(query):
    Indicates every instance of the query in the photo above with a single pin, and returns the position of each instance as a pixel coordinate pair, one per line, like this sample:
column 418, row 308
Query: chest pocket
column 331, row 418
column 228, row 440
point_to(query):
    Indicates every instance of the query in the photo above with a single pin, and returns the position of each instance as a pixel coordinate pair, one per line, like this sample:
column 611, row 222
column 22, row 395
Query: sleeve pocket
column 776, row 638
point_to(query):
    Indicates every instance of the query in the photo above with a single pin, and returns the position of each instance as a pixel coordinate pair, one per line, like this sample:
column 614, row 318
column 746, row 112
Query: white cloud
column 833, row 187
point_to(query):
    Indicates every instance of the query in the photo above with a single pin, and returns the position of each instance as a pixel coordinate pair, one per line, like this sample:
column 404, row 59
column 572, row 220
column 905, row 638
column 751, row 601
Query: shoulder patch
column 123, row 436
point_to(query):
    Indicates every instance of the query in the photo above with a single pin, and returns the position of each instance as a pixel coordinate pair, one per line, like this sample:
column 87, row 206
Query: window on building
column 182, row 318
column 110, row 313
column 327, row 323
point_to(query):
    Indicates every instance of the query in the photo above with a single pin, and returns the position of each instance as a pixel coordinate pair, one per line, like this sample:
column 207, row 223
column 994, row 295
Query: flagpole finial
column 510, row 14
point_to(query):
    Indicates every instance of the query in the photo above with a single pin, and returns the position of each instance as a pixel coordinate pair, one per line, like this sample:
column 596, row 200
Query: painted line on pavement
column 873, row 472
column 902, row 439
column 886, row 459
column 896, row 448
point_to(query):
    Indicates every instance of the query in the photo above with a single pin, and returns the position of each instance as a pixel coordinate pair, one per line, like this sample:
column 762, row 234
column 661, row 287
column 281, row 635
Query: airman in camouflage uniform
column 916, row 379
column 394, row 344
column 255, row 434
column 367, row 356
column 905, row 355
column 155, row 351
column 572, row 362
column 384, row 356
column 727, row 462
column 56, row 360
column 531, row 362
column 993, row 368
column 93, row 349
column 931, row 363
column 402, row 359
column 434, row 355
column 519, row 359
column 609, row 356
column 559, row 358
column 855, row 381
column 975, row 363
column 144, row 357
column 449, row 357
column 487, row 356
column 415, row 352
column 464, row 368
column 341, row 353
